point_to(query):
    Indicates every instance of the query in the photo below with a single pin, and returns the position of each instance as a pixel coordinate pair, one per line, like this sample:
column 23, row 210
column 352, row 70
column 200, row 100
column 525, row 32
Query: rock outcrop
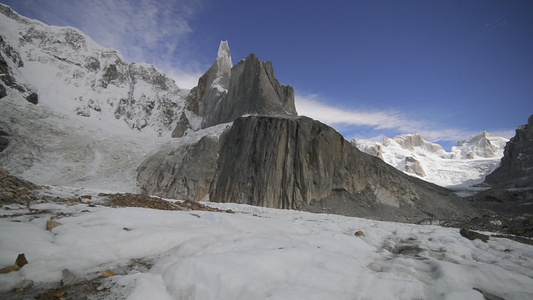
column 225, row 93
column 184, row 172
column 516, row 169
column 484, row 145
column 413, row 166
column 299, row 163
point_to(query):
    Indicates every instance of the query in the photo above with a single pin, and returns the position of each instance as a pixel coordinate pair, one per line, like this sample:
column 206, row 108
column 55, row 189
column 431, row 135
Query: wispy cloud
column 375, row 123
column 156, row 32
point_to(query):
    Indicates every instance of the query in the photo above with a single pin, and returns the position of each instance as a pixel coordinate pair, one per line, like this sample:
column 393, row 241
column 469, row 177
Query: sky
column 369, row 68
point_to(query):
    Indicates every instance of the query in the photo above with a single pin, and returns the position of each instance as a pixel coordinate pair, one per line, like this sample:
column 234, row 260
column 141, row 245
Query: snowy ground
column 256, row 253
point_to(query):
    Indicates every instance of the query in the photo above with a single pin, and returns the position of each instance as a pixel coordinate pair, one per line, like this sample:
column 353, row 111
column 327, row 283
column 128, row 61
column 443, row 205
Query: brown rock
column 86, row 197
column 52, row 224
column 9, row 269
column 21, row 260
column 359, row 233
column 108, row 273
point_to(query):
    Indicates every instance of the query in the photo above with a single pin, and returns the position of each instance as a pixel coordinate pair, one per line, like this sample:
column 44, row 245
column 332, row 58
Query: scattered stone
column 195, row 215
column 21, row 260
column 68, row 277
column 100, row 288
column 359, row 233
column 108, row 273
column 52, row 224
column 472, row 235
column 89, row 197
column 127, row 229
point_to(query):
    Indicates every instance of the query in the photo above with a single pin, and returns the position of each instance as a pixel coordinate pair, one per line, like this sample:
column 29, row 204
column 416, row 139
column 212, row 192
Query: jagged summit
column 410, row 141
column 225, row 93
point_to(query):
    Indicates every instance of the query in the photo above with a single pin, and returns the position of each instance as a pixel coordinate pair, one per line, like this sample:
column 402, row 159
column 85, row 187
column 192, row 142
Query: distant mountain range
column 466, row 164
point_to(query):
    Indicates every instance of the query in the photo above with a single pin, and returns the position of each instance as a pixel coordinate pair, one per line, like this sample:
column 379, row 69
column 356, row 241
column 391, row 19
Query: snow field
column 260, row 253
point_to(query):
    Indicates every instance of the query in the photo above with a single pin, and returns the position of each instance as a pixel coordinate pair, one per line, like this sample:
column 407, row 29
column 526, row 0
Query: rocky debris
column 359, row 233
column 52, row 224
column 16, row 190
column 145, row 201
column 185, row 172
column 108, row 273
column 516, row 169
column 413, row 166
column 19, row 263
column 472, row 235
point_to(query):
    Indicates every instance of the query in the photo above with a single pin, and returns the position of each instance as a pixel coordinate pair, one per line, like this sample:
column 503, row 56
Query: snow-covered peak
column 467, row 164
column 410, row 141
column 483, row 145
column 224, row 56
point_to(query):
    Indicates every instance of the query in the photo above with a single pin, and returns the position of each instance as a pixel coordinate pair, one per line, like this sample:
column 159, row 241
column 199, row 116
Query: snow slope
column 465, row 165
column 256, row 253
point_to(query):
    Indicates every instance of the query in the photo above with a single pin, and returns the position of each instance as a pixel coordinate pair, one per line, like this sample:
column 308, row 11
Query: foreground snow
column 258, row 253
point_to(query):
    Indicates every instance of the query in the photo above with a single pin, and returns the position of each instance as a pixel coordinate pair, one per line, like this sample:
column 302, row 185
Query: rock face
column 185, row 172
column 296, row 162
column 413, row 166
column 516, row 169
column 225, row 93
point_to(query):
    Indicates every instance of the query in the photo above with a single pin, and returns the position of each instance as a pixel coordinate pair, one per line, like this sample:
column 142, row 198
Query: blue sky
column 444, row 69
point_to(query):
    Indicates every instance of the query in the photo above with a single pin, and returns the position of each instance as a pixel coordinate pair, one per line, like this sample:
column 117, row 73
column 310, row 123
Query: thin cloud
column 376, row 121
column 155, row 32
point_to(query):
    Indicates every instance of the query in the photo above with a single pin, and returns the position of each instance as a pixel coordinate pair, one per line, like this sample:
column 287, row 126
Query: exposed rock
column 16, row 190
column 296, row 163
column 516, row 169
column 487, row 295
column 4, row 139
column 225, row 93
column 21, row 260
column 108, row 273
column 181, row 126
column 182, row 173
column 52, row 224
column 33, row 98
column 483, row 145
column 9, row 269
column 213, row 85
column 472, row 235
column 3, row 91
column 413, row 166
column 359, row 233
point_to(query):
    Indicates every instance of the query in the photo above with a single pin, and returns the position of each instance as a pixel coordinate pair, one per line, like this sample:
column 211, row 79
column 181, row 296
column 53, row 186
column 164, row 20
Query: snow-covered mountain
column 68, row 72
column 466, row 164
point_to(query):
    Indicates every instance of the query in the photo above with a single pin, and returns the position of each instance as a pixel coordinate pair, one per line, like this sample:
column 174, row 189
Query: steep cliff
column 225, row 93
column 299, row 163
column 516, row 169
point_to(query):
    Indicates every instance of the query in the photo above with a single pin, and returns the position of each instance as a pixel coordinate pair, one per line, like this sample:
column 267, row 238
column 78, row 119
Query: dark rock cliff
column 516, row 169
